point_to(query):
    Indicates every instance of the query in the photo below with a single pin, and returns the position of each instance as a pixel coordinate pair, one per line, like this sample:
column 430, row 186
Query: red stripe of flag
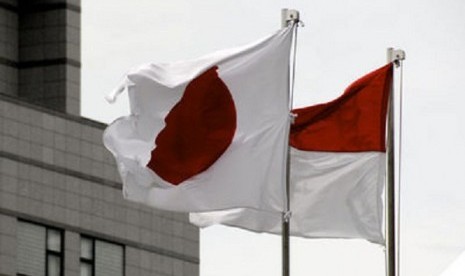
column 354, row 122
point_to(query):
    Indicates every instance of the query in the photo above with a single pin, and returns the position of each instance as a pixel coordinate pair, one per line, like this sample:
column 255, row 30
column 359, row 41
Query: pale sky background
column 342, row 40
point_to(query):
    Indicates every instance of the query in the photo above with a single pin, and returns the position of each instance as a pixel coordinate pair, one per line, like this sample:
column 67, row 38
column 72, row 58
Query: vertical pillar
column 49, row 54
column 9, row 47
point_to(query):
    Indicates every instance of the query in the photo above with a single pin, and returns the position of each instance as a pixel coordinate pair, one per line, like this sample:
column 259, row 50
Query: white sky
column 342, row 40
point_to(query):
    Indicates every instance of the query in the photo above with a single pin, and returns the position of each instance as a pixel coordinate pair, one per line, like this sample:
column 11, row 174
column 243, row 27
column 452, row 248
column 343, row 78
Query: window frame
column 84, row 260
column 47, row 252
column 92, row 261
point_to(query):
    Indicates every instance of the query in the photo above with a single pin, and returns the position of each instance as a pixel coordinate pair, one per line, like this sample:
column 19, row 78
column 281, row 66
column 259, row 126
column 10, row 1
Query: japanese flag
column 210, row 133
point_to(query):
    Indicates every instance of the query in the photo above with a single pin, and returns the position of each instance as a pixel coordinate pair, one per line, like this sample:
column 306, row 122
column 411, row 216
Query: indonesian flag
column 207, row 134
column 337, row 168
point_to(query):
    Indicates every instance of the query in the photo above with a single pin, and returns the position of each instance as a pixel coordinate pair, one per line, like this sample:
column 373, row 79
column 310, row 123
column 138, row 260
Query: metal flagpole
column 288, row 17
column 391, row 262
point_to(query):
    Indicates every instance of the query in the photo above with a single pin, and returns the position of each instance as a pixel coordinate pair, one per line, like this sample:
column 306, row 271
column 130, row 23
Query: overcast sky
column 341, row 40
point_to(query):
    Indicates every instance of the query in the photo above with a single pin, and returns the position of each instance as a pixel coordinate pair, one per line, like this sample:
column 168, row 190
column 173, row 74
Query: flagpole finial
column 395, row 55
column 289, row 15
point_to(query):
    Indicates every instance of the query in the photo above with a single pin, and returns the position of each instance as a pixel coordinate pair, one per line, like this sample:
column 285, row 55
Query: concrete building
column 61, row 208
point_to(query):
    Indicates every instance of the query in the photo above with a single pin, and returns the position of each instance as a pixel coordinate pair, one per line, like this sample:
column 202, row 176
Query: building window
column 40, row 250
column 101, row 258
column 54, row 252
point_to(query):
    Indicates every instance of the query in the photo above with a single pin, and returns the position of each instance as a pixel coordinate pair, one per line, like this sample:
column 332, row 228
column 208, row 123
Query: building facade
column 61, row 206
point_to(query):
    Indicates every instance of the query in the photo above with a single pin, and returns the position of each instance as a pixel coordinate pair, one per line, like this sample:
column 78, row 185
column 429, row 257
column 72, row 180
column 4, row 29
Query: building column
column 49, row 54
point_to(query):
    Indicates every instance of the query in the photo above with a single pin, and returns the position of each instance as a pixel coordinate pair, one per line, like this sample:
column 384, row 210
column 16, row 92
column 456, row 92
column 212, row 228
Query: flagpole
column 288, row 17
column 391, row 262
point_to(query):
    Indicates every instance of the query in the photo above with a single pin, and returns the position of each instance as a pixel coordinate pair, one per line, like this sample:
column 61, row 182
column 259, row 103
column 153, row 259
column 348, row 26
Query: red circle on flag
column 198, row 130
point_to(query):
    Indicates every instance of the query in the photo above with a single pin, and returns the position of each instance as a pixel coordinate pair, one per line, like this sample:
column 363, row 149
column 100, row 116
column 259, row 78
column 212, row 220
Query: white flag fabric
column 207, row 134
column 457, row 268
column 337, row 168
